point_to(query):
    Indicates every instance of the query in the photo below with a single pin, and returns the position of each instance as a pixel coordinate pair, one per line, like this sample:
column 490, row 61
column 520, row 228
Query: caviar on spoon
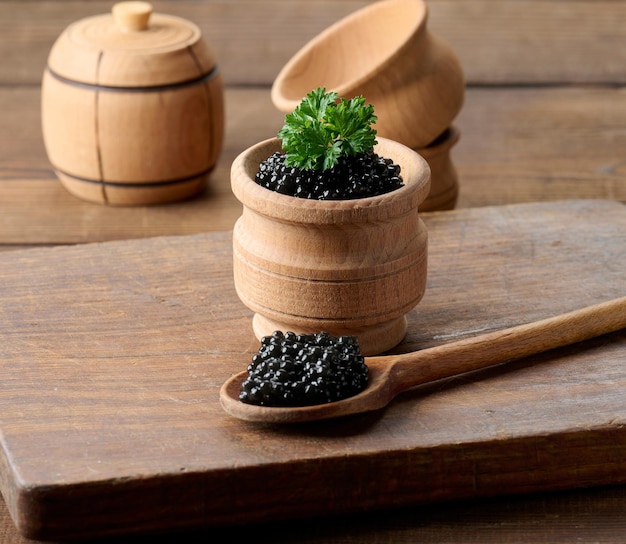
column 390, row 375
column 302, row 369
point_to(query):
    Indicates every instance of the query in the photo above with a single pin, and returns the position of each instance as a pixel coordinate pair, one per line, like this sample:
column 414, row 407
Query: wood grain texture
column 563, row 517
column 543, row 120
column 527, row 41
column 532, row 144
column 139, row 355
column 390, row 375
column 60, row 218
column 522, row 145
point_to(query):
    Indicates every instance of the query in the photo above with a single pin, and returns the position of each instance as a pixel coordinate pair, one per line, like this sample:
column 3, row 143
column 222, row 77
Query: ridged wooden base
column 372, row 340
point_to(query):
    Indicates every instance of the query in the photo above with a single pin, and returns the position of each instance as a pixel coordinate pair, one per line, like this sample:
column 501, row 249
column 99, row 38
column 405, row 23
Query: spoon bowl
column 389, row 375
column 375, row 396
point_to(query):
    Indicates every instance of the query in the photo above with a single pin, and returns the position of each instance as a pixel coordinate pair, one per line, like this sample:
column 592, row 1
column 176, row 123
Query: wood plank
column 501, row 42
column 517, row 145
column 126, row 433
column 533, row 144
column 504, row 42
column 535, row 41
column 252, row 39
column 36, row 209
column 590, row 515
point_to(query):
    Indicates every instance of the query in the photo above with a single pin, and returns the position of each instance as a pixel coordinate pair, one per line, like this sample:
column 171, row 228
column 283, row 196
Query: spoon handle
column 489, row 349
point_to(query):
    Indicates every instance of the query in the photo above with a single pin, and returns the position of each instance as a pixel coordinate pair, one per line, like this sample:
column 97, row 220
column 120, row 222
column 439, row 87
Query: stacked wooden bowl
column 386, row 53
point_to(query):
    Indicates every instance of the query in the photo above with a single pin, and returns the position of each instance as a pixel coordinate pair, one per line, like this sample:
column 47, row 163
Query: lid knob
column 132, row 16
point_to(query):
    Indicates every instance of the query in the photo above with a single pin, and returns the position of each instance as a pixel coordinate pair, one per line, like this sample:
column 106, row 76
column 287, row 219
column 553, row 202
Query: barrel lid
column 131, row 47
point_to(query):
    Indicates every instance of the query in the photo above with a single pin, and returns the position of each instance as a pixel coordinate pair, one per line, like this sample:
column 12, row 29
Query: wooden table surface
column 544, row 120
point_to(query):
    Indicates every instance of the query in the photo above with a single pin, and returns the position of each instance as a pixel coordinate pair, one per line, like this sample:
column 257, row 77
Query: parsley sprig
column 322, row 128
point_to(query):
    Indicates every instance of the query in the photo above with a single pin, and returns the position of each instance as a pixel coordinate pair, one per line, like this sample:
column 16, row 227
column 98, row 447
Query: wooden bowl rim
column 415, row 172
column 286, row 74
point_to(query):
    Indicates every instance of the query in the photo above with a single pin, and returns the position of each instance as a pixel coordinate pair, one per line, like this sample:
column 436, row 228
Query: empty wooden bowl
column 132, row 107
column 386, row 53
column 345, row 266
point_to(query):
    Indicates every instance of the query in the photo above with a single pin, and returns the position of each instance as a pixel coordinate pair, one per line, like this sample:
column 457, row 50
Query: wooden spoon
column 392, row 374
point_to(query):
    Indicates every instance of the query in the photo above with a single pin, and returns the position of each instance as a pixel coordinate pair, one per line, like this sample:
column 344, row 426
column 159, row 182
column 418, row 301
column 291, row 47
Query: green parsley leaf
column 322, row 128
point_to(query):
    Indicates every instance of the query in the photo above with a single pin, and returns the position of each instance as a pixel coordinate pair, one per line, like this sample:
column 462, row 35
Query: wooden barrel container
column 132, row 107
column 346, row 266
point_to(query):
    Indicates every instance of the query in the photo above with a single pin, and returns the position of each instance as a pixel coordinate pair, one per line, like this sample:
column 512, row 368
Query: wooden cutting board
column 112, row 356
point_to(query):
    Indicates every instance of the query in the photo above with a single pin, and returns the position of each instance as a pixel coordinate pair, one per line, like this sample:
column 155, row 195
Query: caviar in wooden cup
column 349, row 267
column 386, row 53
column 132, row 107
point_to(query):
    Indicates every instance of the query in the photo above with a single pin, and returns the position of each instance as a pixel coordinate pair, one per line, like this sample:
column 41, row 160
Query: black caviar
column 304, row 369
column 356, row 176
